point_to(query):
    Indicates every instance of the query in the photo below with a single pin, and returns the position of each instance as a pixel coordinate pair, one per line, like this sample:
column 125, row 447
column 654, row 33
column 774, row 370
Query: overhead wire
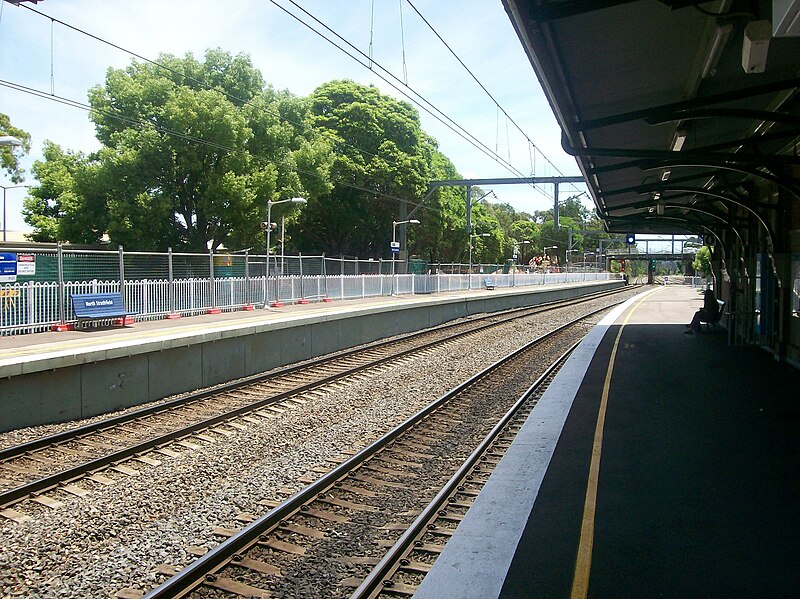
column 431, row 109
column 482, row 86
column 475, row 142
column 232, row 97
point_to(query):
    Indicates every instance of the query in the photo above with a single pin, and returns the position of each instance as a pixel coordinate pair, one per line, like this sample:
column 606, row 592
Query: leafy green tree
column 69, row 203
column 192, row 151
column 702, row 261
column 382, row 157
column 9, row 159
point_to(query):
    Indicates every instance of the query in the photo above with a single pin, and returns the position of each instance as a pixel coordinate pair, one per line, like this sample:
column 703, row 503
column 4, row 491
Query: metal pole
column 211, row 277
column 394, row 240
column 269, row 229
column 555, row 206
column 62, row 299
column 469, row 271
column 247, row 277
column 121, row 272
column 171, row 284
column 4, row 214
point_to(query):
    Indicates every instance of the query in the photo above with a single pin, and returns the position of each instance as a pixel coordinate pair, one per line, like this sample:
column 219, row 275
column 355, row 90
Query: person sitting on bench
column 708, row 313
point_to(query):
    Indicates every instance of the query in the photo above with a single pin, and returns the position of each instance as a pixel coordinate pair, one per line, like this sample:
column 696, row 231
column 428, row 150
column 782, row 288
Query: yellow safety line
column 583, row 564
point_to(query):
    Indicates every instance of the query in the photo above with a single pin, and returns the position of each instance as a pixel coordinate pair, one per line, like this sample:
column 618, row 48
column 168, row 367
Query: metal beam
column 667, row 109
column 505, row 181
column 737, row 158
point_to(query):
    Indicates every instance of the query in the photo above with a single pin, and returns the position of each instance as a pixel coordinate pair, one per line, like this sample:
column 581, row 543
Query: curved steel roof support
column 745, row 170
column 653, row 112
column 735, row 113
column 724, row 198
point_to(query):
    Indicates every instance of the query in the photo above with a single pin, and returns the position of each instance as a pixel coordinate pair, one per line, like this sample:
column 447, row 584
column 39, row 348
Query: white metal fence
column 234, row 283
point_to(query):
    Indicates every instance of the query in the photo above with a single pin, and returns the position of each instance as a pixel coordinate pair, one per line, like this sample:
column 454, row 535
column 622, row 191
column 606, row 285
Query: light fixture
column 665, row 175
column 678, row 140
column 721, row 36
column 755, row 46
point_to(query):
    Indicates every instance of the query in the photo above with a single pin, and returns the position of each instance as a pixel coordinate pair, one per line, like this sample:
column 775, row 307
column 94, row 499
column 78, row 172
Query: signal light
column 622, row 265
column 630, row 239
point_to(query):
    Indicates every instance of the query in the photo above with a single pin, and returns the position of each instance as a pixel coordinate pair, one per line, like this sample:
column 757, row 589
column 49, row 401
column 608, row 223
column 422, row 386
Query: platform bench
column 488, row 283
column 92, row 307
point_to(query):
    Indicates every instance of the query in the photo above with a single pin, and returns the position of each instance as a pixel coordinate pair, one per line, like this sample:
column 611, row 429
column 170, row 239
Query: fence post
column 171, row 314
column 325, row 279
column 121, row 272
column 302, row 299
column 212, row 284
column 248, row 294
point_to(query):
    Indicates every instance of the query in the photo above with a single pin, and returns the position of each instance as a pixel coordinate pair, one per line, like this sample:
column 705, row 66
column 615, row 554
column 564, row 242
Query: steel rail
column 75, row 433
column 207, row 565
column 375, row 580
column 53, row 481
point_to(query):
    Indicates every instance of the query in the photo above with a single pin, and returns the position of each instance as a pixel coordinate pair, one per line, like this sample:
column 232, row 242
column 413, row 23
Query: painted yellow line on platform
column 583, row 564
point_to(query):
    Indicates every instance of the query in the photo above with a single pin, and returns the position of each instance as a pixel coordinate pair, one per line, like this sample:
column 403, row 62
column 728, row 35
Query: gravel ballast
column 116, row 536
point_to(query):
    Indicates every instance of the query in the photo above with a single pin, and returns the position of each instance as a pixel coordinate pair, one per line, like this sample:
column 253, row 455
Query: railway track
column 32, row 471
column 376, row 522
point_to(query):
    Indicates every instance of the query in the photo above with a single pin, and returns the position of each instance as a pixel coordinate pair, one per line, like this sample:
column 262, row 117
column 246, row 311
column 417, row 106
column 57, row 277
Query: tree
column 702, row 261
column 192, row 151
column 69, row 202
column 8, row 158
column 382, row 158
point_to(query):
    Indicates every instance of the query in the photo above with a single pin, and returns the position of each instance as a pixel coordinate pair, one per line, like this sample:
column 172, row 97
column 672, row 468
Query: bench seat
column 91, row 307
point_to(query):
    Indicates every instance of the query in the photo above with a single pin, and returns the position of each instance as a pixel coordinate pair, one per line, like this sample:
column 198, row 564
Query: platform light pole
column 549, row 247
column 517, row 245
column 270, row 204
column 9, row 141
column 395, row 224
column 4, row 204
column 469, row 273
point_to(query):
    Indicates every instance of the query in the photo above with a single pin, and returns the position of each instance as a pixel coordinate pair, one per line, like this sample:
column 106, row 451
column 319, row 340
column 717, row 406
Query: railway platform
column 657, row 464
column 60, row 376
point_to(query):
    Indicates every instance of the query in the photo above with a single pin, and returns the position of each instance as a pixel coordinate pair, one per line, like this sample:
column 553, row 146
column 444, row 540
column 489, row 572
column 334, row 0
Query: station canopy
column 677, row 111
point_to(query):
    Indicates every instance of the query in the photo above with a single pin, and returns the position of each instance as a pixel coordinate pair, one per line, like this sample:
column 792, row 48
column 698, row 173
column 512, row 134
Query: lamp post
column 469, row 273
column 4, row 204
column 549, row 247
column 395, row 223
column 270, row 204
column 517, row 245
column 10, row 141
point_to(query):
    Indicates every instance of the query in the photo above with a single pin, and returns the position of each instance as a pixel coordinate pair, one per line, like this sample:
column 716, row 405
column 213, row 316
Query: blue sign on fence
column 8, row 267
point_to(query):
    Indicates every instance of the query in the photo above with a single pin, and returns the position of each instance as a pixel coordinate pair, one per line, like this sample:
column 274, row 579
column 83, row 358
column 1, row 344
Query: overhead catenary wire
column 465, row 135
column 483, row 87
column 421, row 101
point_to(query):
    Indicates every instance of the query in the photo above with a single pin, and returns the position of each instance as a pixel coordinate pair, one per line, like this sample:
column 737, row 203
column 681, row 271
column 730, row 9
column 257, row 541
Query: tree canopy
column 192, row 150
column 9, row 159
column 191, row 153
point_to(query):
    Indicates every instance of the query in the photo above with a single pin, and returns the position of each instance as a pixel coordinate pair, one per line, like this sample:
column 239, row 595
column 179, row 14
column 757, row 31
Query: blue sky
column 292, row 57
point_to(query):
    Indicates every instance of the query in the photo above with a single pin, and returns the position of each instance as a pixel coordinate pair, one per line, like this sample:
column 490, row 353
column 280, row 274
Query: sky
column 39, row 53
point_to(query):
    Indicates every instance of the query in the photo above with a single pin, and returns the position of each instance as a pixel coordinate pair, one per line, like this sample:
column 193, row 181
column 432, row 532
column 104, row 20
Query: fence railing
column 158, row 285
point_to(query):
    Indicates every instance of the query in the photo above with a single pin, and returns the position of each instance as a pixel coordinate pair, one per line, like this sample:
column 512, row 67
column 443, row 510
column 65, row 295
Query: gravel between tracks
column 116, row 536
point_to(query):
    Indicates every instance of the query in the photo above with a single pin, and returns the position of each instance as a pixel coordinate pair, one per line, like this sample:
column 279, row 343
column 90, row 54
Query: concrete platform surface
column 686, row 486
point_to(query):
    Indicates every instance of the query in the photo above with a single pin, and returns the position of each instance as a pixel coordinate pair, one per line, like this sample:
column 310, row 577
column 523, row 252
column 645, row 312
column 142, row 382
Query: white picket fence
column 35, row 306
